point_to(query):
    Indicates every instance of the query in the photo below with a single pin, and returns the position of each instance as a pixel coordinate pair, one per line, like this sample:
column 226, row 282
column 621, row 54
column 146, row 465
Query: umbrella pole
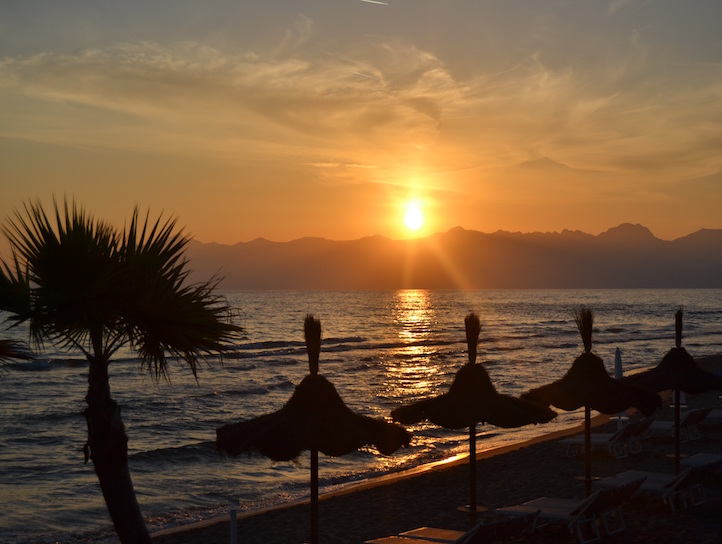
column 314, row 496
column 472, row 473
column 676, row 432
column 587, row 450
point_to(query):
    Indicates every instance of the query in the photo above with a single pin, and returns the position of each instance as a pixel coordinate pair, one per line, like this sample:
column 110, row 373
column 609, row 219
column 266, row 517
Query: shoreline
column 429, row 495
column 459, row 460
column 432, row 498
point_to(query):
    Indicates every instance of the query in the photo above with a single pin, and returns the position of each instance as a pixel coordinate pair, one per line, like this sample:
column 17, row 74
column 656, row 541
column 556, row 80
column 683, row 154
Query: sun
column 413, row 219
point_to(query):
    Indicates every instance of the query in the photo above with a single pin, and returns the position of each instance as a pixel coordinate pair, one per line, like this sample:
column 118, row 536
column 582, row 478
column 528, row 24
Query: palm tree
column 11, row 349
column 85, row 285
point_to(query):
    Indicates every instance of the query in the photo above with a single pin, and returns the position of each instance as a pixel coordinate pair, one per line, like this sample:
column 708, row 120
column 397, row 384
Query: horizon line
column 457, row 227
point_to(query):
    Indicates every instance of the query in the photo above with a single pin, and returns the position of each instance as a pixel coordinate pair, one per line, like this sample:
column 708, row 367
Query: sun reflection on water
column 414, row 370
column 414, row 315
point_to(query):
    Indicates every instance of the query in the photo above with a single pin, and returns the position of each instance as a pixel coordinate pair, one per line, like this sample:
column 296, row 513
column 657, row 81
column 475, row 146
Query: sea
column 381, row 349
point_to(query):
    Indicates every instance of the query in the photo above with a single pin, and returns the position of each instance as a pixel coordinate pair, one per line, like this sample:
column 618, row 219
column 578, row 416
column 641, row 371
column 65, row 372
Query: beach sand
column 505, row 477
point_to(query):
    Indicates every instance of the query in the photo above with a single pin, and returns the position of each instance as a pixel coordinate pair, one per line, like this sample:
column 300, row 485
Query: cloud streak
column 397, row 108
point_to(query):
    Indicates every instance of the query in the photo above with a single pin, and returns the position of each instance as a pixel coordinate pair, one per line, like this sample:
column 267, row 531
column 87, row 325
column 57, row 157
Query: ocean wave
column 260, row 354
column 188, row 454
column 251, row 390
column 241, row 367
column 25, row 421
column 247, row 391
column 510, row 348
column 343, row 340
column 267, row 345
column 42, row 365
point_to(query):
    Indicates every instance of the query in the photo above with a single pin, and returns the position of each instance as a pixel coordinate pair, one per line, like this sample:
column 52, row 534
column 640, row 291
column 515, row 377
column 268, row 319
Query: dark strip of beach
column 505, row 477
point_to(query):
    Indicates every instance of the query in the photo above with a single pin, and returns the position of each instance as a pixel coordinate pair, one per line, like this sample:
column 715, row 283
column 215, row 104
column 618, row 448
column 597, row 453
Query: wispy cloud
column 373, row 102
column 290, row 99
column 616, row 5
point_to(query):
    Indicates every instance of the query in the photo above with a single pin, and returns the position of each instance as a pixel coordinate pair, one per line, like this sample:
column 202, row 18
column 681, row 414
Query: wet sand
column 504, row 477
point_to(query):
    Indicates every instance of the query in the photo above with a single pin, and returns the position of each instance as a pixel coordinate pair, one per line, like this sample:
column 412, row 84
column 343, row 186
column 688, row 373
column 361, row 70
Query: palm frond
column 188, row 324
column 80, row 283
column 72, row 270
column 15, row 291
column 12, row 349
column 164, row 317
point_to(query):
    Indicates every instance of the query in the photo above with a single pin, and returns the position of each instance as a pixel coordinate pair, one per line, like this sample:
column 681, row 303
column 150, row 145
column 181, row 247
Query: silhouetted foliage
column 82, row 284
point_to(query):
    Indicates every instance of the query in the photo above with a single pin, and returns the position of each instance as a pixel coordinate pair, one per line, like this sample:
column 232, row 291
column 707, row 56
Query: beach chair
column 579, row 516
column 702, row 460
column 497, row 530
column 621, row 443
column 638, row 433
column 715, row 416
column 676, row 491
column 688, row 424
column 694, row 418
column 609, row 505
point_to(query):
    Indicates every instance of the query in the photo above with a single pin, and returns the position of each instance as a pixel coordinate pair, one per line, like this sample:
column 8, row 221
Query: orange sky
column 324, row 118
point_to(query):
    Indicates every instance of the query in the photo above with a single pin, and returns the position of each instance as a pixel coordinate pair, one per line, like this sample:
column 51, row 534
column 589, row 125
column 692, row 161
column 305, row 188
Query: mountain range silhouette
column 626, row 256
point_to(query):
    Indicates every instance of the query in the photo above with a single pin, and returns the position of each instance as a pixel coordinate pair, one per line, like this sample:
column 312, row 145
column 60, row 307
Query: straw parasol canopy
column 587, row 384
column 677, row 371
column 315, row 418
column 472, row 399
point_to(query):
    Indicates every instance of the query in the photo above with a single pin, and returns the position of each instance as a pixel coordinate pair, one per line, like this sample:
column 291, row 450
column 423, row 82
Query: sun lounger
column 609, row 505
column 640, row 431
column 497, row 530
column 688, row 424
column 702, row 460
column 626, row 440
column 580, row 516
column 611, row 441
column 674, row 490
column 585, row 516
column 715, row 416
column 426, row 534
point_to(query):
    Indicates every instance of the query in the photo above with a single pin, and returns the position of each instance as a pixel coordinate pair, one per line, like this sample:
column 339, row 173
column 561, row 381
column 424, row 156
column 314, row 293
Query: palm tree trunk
column 472, row 473
column 314, row 495
column 677, row 436
column 108, row 448
column 588, row 450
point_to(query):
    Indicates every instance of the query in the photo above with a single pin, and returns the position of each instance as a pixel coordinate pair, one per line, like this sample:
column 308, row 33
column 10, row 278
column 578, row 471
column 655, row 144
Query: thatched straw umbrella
column 472, row 399
column 588, row 384
column 316, row 419
column 677, row 371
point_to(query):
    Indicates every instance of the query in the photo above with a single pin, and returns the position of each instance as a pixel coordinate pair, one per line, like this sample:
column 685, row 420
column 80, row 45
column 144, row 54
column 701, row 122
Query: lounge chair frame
column 688, row 424
column 626, row 440
column 579, row 516
column 497, row 530
column 677, row 492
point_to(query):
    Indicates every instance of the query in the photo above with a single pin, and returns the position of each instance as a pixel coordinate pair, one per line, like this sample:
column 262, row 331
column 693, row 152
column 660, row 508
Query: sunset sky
column 283, row 119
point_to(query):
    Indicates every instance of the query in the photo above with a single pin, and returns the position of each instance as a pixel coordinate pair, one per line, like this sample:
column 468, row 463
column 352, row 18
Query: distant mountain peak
column 625, row 256
column 628, row 232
